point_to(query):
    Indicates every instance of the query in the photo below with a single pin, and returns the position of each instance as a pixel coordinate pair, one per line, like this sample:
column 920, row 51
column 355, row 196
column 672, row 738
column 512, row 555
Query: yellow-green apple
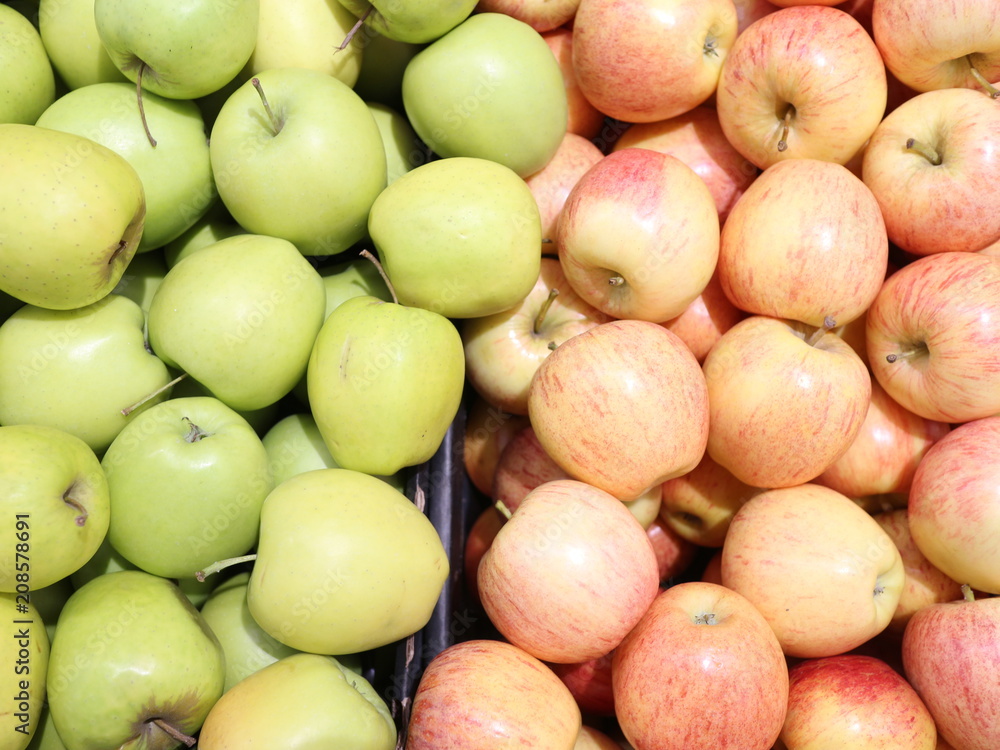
column 71, row 217
column 78, row 370
column 484, row 530
column 403, row 149
column 464, row 701
column 487, row 432
column 696, row 138
column 306, row 34
column 647, row 60
column 673, row 552
column 932, row 338
column 699, row 645
column 785, row 400
column 582, row 117
column 541, row 15
column 885, row 453
column 69, row 33
column 26, row 77
column 638, row 236
column 490, row 88
column 806, row 242
column 931, row 164
column 142, row 278
column 950, row 656
column 408, row 21
column 954, row 508
column 700, row 504
column 925, row 584
column 382, row 66
column 459, row 237
column 503, row 350
column 26, row 653
column 925, row 49
column 552, row 184
column 820, row 569
column 569, row 575
column 623, row 406
column 855, row 701
column 593, row 739
column 298, row 156
column 704, row 321
column 803, row 82
column 590, row 684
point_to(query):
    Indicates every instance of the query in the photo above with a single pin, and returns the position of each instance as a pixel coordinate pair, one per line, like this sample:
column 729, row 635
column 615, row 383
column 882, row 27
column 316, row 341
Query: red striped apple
column 583, row 118
column 704, row 321
column 552, row 184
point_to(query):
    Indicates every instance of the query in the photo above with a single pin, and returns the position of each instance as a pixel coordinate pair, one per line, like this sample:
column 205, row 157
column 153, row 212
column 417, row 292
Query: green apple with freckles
column 69, row 33
column 26, row 77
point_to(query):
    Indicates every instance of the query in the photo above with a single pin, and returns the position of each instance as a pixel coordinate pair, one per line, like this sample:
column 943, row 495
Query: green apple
column 215, row 225
column 345, row 563
column 183, row 49
column 353, row 278
column 413, row 21
column 71, row 217
column 133, row 665
column 459, row 237
column 385, row 382
column 260, row 419
column 306, row 34
column 105, row 560
column 69, row 33
column 247, row 647
column 403, row 150
column 302, row 701
column 490, row 88
column 49, row 602
column 46, row 737
column 54, row 492
column 27, row 84
column 77, row 370
column 187, row 479
column 307, row 167
column 240, row 317
column 24, row 653
column 176, row 175
column 294, row 445
column 142, row 278
column 382, row 66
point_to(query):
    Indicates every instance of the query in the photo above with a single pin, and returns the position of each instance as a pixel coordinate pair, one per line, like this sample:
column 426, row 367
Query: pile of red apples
column 768, row 325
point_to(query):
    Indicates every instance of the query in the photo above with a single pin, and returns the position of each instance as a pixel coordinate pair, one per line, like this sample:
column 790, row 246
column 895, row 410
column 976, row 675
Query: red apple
column 487, row 431
column 885, row 453
column 696, row 138
column 701, row 669
column 673, row 552
column 713, row 569
column 704, row 321
column 954, row 509
column 805, row 242
column 785, row 401
column 481, row 536
column 805, row 82
column 925, row 584
column 748, row 11
column 541, row 15
column 856, row 702
column 932, row 165
column 951, row 654
column 569, row 574
column 583, row 118
column 590, row 684
column 647, row 60
column 933, row 340
column 481, row 695
column 553, row 183
column 822, row 572
column 623, row 406
column 638, row 236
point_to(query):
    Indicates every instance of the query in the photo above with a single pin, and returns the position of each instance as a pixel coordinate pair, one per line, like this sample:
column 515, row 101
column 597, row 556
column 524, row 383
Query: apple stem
column 710, row 47
column 504, row 510
column 81, row 519
column 828, row 325
column 706, row 618
column 890, row 358
column 992, row 90
column 544, row 309
column 967, row 593
column 142, row 110
column 149, row 397
column 616, row 281
column 174, row 732
column 385, row 277
column 275, row 124
column 195, row 433
column 928, row 152
column 785, row 126
column 354, row 29
column 215, row 567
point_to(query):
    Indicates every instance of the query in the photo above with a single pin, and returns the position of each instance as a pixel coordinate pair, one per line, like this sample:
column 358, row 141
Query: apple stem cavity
column 828, row 325
column 991, row 90
column 195, row 433
column 785, row 126
column 149, row 397
column 967, row 593
column 711, row 47
column 215, row 567
column 616, row 281
column 174, row 732
column 381, row 271
column 919, row 350
column 275, row 122
column 501, row 506
column 142, row 110
column 544, row 309
column 354, row 30
column 706, row 618
column 928, row 152
column 81, row 518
